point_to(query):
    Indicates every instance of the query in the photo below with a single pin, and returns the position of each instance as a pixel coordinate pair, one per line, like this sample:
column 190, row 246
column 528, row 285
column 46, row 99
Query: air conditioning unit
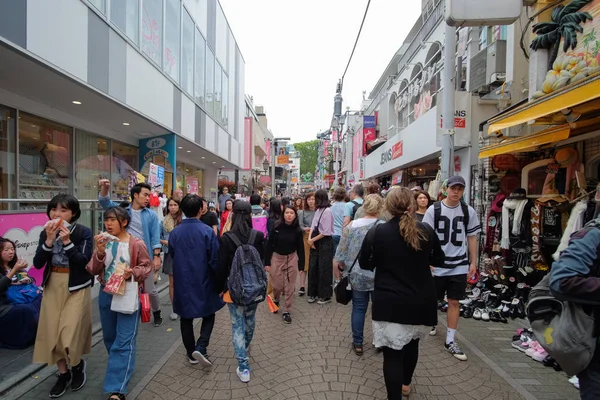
column 488, row 68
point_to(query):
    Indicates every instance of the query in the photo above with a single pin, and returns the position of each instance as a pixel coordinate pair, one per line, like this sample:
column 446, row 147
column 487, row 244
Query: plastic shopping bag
column 272, row 306
column 145, row 304
column 128, row 303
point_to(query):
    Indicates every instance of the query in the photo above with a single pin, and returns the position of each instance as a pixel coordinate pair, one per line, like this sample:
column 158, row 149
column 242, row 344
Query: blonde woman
column 404, row 297
column 361, row 280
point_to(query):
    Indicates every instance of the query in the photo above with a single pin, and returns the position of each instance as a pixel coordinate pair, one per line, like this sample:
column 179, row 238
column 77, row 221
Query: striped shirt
column 453, row 235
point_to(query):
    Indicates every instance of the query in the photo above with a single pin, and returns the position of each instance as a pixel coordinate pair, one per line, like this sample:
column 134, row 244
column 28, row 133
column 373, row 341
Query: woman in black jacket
column 65, row 329
column 404, row 299
column 284, row 258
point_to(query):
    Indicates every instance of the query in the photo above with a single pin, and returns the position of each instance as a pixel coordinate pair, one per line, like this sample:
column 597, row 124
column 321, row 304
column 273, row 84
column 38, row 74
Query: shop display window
column 7, row 156
column 92, row 162
column 44, row 159
column 125, row 14
column 172, row 38
column 125, row 161
column 152, row 29
column 199, row 84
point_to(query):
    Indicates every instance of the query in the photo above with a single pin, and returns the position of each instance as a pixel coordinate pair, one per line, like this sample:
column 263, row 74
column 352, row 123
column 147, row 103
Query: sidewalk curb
column 43, row 371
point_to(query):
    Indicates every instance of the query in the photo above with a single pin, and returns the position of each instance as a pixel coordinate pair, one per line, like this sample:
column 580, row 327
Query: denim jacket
column 150, row 224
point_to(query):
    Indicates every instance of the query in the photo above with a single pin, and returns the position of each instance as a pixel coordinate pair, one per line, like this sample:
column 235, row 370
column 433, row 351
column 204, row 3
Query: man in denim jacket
column 144, row 225
column 576, row 277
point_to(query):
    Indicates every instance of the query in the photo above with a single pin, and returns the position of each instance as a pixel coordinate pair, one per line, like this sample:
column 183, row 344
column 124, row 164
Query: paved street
column 312, row 359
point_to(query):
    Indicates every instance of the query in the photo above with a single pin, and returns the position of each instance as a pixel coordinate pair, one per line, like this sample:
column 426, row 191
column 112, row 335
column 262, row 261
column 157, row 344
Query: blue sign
column 164, row 146
column 368, row 121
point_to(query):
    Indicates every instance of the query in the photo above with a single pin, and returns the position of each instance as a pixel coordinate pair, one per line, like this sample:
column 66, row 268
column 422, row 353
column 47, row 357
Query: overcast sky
column 295, row 52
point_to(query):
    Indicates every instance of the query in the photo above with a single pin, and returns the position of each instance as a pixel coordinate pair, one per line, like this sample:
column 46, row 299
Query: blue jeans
column 119, row 332
column 360, row 303
column 336, row 242
column 243, row 321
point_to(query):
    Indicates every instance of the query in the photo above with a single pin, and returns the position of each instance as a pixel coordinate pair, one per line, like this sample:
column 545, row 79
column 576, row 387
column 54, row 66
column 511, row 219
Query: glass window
column 225, row 101
column 92, row 162
column 217, row 104
column 187, row 55
column 125, row 15
column 200, row 67
column 8, row 136
column 152, row 29
column 125, row 162
column 172, row 33
column 99, row 4
column 44, row 159
column 210, row 80
column 221, row 36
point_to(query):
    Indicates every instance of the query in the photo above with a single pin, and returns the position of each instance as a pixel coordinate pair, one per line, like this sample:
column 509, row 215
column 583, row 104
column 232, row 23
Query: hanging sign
column 163, row 146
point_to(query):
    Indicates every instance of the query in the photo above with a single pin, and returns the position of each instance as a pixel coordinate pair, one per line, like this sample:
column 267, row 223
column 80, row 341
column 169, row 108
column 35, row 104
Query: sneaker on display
column 485, row 315
column 453, row 349
column 540, row 354
column 533, row 348
column 477, row 314
column 243, row 374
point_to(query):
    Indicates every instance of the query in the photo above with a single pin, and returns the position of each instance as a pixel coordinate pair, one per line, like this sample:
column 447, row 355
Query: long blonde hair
column 400, row 202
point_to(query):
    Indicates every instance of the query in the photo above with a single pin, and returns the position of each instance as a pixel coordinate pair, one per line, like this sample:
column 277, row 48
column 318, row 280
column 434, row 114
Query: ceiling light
column 189, row 151
column 76, row 102
column 179, row 147
column 203, row 158
column 222, row 166
column 126, row 123
column 214, row 162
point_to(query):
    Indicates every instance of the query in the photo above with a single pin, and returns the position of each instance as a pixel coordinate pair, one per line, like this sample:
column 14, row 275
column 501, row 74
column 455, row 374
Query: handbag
column 23, row 294
column 342, row 289
column 315, row 231
column 145, row 304
column 129, row 303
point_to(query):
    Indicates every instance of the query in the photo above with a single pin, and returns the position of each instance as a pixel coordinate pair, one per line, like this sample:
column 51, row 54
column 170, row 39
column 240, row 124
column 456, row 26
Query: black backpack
column 355, row 208
column 437, row 213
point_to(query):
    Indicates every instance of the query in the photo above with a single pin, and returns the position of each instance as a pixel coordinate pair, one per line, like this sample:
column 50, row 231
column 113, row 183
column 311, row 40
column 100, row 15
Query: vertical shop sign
column 369, row 124
column 163, row 146
column 192, row 185
column 361, row 162
column 156, row 177
column 326, row 148
column 462, row 116
column 248, row 146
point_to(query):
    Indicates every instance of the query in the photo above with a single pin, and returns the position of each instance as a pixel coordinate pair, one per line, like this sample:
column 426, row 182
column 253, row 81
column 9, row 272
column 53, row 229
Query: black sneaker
column 301, row 292
column 61, row 385
column 453, row 349
column 287, row 318
column 117, row 396
column 191, row 359
column 79, row 376
column 202, row 358
column 158, row 321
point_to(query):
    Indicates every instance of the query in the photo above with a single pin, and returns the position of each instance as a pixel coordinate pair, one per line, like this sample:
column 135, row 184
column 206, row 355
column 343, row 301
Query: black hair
column 191, row 205
column 228, row 200
column 295, row 223
column 275, row 209
column 137, row 189
column 255, row 200
column 124, row 204
column 285, row 201
column 11, row 263
column 241, row 223
column 67, row 201
column 120, row 214
column 358, row 190
column 322, row 199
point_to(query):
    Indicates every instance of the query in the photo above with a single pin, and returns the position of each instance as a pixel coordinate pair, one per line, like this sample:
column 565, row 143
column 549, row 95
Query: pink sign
column 248, row 146
column 356, row 152
column 192, row 185
column 24, row 230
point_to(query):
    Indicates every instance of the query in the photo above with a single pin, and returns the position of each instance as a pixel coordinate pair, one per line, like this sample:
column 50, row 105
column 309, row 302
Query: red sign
column 368, row 136
column 397, row 150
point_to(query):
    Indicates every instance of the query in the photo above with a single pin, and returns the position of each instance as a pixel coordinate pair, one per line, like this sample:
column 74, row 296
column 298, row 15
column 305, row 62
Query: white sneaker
column 466, row 302
column 477, row 314
column 312, row 299
column 243, row 374
column 173, row 316
column 485, row 315
column 574, row 380
column 433, row 331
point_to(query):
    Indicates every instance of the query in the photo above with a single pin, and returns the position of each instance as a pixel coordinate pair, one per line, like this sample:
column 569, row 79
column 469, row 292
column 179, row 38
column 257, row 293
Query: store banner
column 361, row 174
column 283, row 155
column 24, row 230
column 397, row 150
column 397, row 177
column 357, row 151
column 192, row 185
column 462, row 120
column 164, row 146
column 326, row 147
column 248, row 145
column 369, row 134
column 156, row 177
column 334, row 136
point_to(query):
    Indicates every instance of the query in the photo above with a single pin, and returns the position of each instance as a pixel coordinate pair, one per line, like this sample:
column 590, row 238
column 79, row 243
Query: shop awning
column 527, row 142
column 555, row 102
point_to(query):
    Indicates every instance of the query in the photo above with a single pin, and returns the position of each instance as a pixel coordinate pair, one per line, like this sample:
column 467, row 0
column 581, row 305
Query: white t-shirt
column 451, row 232
column 135, row 227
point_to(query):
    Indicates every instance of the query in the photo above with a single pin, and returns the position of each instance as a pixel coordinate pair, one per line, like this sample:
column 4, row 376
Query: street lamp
column 266, row 165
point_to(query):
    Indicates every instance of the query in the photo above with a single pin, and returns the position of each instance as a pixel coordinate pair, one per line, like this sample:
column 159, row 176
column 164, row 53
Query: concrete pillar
column 209, row 181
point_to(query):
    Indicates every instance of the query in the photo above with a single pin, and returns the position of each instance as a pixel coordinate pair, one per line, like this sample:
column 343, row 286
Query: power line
column 356, row 41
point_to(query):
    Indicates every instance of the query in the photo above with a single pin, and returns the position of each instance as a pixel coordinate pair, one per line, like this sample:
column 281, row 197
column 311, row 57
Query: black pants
column 320, row 270
column 187, row 334
column 399, row 364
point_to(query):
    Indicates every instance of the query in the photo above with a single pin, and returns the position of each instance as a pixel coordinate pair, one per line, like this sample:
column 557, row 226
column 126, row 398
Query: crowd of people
column 399, row 250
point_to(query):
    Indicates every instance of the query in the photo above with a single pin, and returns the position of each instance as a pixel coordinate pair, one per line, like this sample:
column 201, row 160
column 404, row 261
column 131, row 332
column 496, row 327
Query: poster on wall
column 192, row 185
column 462, row 117
column 283, row 155
column 156, row 177
column 361, row 162
column 369, row 124
column 24, row 230
column 164, row 146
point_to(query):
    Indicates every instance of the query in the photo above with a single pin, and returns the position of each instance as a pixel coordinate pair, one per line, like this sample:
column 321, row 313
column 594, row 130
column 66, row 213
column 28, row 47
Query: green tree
column 309, row 154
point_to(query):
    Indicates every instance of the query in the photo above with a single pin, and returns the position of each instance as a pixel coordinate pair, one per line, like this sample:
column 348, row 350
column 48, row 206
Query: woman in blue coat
column 194, row 248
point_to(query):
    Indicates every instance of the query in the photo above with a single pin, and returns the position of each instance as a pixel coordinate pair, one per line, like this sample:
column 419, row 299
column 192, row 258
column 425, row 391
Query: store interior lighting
column 126, row 123
column 76, row 102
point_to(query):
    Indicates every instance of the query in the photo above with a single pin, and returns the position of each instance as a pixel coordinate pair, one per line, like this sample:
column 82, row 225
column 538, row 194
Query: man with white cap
column 457, row 227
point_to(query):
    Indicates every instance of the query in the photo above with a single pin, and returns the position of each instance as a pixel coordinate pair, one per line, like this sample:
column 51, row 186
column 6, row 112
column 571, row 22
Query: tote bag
column 129, row 303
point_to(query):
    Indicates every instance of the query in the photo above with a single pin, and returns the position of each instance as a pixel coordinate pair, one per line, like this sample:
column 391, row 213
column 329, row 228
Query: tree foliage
column 309, row 154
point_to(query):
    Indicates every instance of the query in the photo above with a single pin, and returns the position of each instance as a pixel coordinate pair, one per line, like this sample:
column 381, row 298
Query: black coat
column 404, row 289
column 79, row 254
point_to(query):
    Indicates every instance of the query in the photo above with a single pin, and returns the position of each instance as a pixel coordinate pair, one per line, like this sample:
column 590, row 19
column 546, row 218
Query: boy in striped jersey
column 457, row 227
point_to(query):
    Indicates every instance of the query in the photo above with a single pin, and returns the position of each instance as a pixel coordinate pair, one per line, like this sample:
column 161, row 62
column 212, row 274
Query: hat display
column 518, row 194
column 566, row 156
column 456, row 180
column 498, row 202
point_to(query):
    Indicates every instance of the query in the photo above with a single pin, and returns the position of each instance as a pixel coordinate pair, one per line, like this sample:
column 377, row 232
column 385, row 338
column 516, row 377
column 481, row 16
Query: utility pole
column 337, row 114
column 447, row 165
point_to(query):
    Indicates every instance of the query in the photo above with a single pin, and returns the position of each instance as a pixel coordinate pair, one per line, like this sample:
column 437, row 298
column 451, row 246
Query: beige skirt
column 306, row 252
column 65, row 327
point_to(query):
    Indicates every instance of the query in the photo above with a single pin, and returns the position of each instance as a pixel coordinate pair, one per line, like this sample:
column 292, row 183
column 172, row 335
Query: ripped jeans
column 243, row 322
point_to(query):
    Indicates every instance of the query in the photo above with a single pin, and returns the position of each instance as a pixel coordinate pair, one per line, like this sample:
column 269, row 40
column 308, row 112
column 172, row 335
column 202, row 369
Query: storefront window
column 172, row 33
column 125, row 15
column 92, row 162
column 8, row 136
column 210, row 81
column 99, row 4
column 189, row 178
column 152, row 19
column 44, row 159
column 217, row 105
column 200, row 67
column 225, row 101
column 221, row 36
column 125, row 161
column 187, row 55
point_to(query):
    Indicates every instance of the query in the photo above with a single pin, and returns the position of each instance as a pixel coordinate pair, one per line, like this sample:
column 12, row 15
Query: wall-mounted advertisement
column 163, row 146
column 462, row 118
column 156, row 177
column 369, row 134
column 283, row 155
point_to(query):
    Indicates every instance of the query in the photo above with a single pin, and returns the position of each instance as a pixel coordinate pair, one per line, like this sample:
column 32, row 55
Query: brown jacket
column 140, row 261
